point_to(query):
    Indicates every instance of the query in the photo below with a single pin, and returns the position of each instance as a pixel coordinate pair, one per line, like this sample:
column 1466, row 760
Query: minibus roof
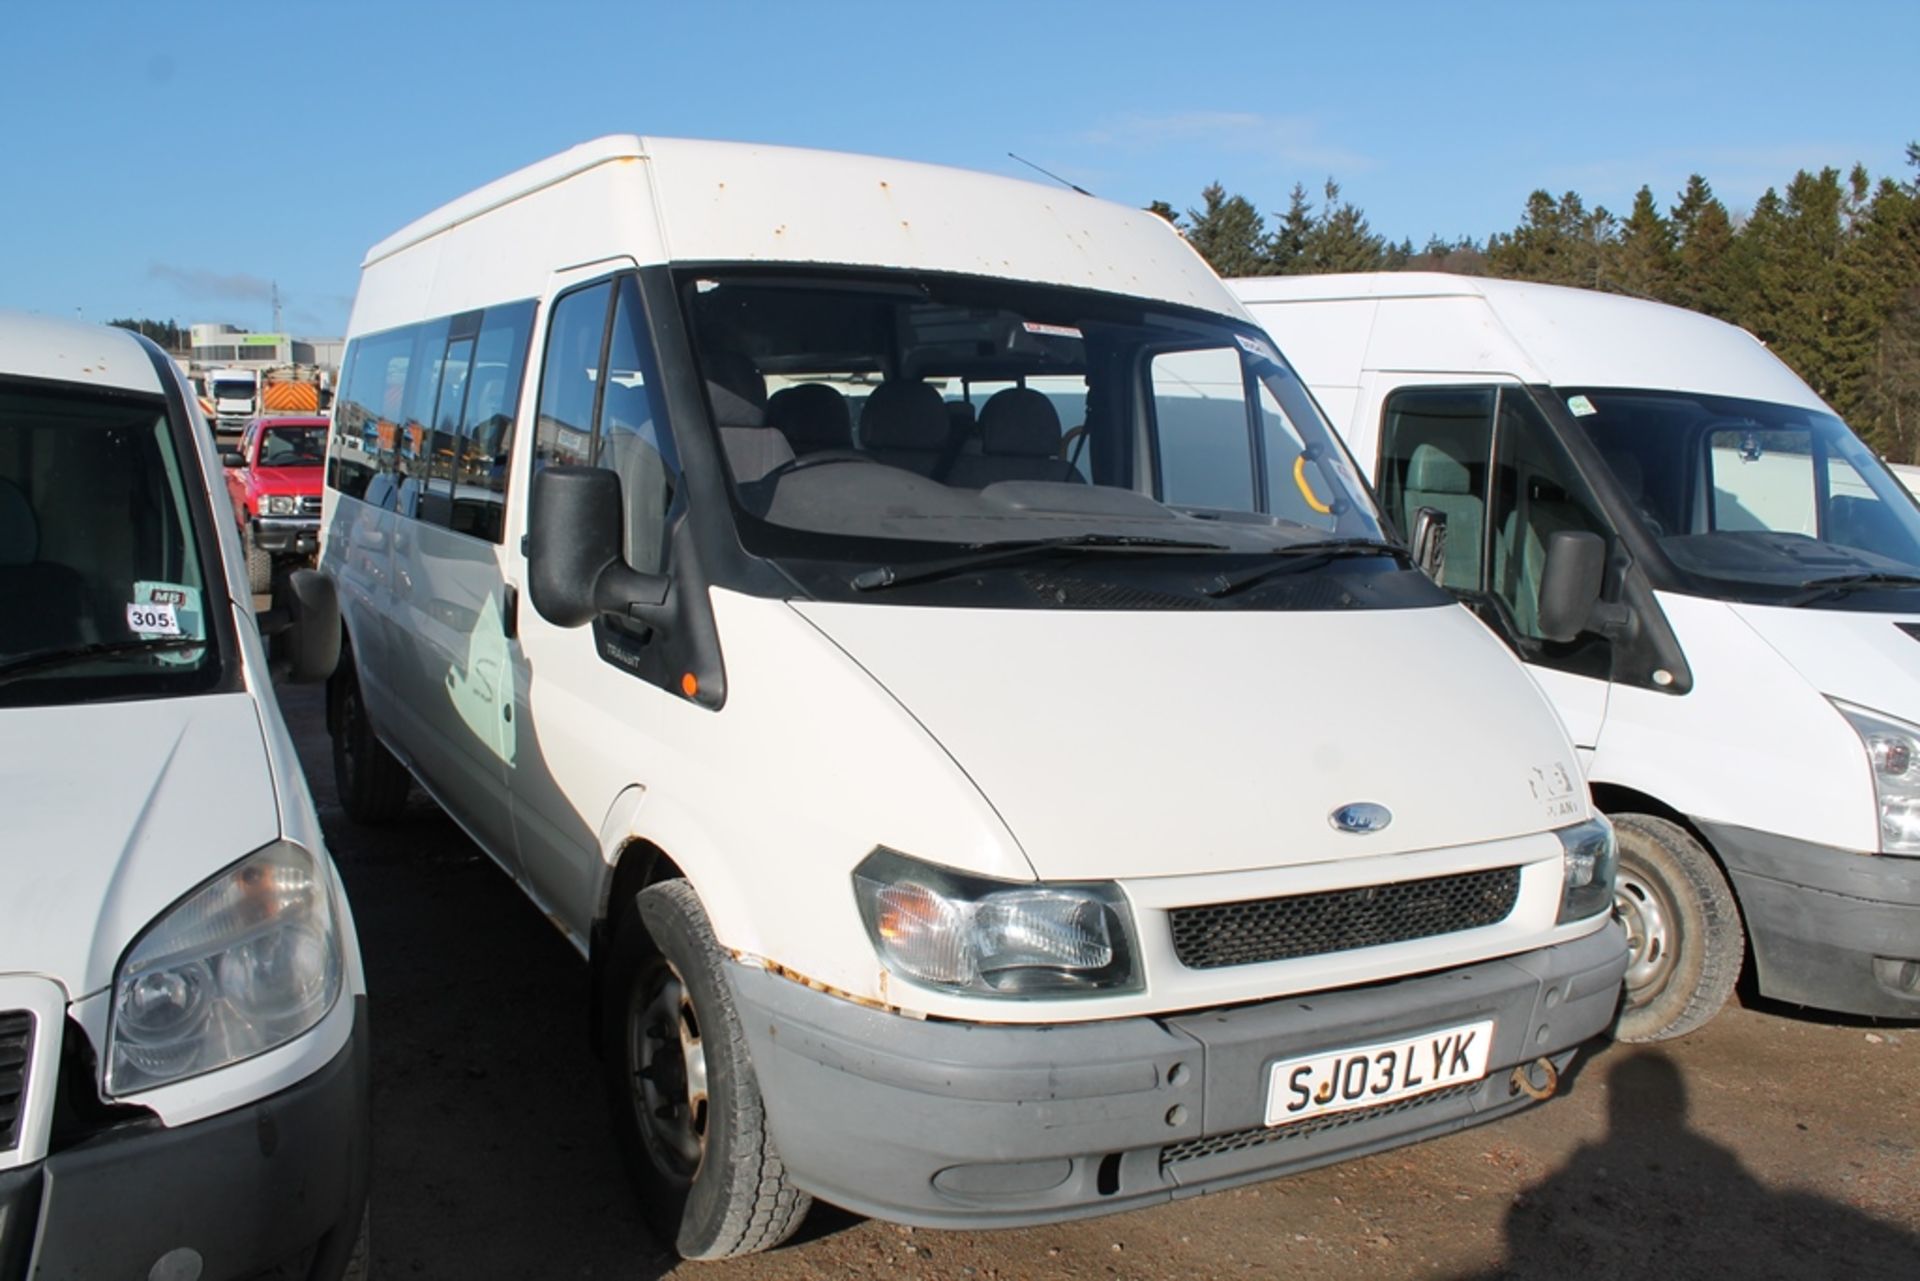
column 729, row 202
column 1560, row 336
column 71, row 351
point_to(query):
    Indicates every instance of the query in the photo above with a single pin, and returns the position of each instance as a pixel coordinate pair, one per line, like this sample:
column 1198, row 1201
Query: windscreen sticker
column 168, row 609
column 1051, row 331
column 1581, row 406
column 1259, row 348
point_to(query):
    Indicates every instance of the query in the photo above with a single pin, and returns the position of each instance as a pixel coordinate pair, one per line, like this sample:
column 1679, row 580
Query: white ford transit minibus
column 1745, row 692
column 183, row 1047
column 991, row 781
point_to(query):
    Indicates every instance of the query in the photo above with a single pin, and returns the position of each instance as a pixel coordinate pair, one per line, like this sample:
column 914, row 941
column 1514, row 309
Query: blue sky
column 158, row 160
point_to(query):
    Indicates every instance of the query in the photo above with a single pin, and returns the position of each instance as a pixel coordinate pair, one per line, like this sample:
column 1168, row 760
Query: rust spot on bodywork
column 827, row 989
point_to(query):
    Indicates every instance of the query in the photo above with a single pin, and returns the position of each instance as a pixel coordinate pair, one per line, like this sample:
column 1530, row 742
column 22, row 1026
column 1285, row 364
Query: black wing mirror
column 1570, row 582
column 576, row 569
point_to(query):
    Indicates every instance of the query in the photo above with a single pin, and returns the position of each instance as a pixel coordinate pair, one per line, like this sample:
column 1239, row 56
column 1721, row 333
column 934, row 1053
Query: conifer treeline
column 1826, row 272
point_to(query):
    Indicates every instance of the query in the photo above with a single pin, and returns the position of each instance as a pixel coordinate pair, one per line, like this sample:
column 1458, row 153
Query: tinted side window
column 366, row 417
column 632, row 440
column 1200, row 422
column 1536, row 494
column 486, row 431
column 1434, row 452
column 570, row 378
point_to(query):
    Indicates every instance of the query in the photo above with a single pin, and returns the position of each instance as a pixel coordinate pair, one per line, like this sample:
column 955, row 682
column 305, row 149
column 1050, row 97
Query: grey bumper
column 287, row 535
column 955, row 1124
column 274, row 1188
column 1830, row 928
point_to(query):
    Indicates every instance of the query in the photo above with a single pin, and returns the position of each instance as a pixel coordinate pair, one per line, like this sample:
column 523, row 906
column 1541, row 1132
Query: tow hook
column 1538, row 1079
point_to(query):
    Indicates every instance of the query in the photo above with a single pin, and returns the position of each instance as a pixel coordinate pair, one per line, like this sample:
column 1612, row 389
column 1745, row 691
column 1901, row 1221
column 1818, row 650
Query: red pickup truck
column 274, row 478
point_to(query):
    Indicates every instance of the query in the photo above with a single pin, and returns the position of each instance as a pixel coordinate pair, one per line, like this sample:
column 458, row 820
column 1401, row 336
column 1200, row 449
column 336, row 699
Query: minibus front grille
column 1261, row 1136
column 1284, row 929
column 16, row 1051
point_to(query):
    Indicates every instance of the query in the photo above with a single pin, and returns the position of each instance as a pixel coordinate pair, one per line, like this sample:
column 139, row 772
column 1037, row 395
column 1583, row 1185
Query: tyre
column 1683, row 929
column 686, row 1107
column 259, row 565
column 371, row 783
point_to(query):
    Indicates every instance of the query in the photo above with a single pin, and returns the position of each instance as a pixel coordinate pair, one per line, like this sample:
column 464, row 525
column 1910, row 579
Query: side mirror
column 232, row 458
column 303, row 627
column 576, row 569
column 1430, row 541
column 1570, row 582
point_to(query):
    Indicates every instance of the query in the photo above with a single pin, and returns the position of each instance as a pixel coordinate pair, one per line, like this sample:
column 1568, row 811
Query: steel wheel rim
column 669, row 1073
column 1651, row 938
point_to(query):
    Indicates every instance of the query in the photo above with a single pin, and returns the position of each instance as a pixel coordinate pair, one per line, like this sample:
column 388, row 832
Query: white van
column 991, row 781
column 1743, row 695
column 183, row 1047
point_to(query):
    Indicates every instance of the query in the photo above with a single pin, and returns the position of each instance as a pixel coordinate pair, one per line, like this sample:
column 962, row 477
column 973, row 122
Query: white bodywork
column 1756, row 743
column 117, row 810
column 1192, row 758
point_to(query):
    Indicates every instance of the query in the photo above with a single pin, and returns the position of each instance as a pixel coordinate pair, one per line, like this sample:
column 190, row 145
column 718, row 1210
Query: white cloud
column 199, row 283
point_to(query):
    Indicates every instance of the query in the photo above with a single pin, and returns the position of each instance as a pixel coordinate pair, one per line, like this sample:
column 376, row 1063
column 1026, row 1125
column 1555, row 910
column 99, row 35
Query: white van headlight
column 1589, row 857
column 1893, row 752
column 246, row 962
column 963, row 933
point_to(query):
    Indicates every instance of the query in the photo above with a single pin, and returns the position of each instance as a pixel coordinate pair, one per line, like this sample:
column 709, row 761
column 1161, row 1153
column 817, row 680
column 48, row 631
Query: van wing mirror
column 576, row 569
column 1570, row 582
column 1430, row 541
column 302, row 628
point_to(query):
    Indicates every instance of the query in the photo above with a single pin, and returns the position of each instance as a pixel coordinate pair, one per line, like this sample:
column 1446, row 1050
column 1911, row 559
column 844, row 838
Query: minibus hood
column 1870, row 660
column 114, row 811
column 1141, row 744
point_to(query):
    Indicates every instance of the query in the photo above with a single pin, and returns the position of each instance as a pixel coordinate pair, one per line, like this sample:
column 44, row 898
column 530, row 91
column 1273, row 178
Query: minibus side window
column 365, row 418
column 1205, row 449
column 486, row 429
column 1433, row 453
column 436, row 505
column 411, row 458
column 569, row 380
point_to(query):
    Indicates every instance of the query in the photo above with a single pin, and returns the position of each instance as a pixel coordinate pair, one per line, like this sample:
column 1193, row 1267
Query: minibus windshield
column 1754, row 500
column 873, row 416
column 102, row 591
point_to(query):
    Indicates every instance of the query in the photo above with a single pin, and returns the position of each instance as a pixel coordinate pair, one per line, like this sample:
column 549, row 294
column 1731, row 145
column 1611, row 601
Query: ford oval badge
column 1360, row 818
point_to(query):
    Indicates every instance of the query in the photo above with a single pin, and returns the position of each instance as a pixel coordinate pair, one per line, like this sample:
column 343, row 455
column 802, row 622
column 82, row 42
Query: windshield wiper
column 1826, row 588
column 881, row 577
column 106, row 649
column 1304, row 556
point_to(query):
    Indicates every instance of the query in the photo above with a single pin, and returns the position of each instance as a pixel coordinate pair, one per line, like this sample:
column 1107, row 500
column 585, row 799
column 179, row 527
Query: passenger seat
column 1019, row 440
column 43, row 605
column 904, row 424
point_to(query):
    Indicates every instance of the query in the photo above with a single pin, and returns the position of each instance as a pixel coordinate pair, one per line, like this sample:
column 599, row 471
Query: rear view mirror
column 575, row 566
column 232, row 458
column 1570, row 582
column 1430, row 541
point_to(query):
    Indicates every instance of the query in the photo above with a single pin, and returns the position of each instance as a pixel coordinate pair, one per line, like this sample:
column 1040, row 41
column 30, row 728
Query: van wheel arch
column 640, row 864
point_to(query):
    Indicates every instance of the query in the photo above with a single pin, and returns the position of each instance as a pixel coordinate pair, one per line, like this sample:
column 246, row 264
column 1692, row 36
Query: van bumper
column 277, row 1187
column 1830, row 928
column 946, row 1124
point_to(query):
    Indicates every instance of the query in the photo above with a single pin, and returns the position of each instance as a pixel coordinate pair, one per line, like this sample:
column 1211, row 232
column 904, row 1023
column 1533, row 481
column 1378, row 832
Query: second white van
column 1741, row 675
column 993, row 776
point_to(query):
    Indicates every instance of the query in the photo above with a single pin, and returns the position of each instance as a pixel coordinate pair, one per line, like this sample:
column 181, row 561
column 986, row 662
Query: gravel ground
column 1773, row 1143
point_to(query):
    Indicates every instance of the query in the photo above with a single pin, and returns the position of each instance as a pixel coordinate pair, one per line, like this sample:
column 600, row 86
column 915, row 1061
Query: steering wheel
column 818, row 458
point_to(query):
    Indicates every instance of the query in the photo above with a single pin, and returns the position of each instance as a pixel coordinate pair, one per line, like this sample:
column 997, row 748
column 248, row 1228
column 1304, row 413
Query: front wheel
column 686, row 1106
column 1683, row 927
column 371, row 783
column 259, row 564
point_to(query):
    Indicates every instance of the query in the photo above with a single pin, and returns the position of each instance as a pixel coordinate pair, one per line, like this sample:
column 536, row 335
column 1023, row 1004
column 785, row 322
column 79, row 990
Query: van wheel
column 259, row 564
column 686, row 1107
column 371, row 783
column 1683, row 930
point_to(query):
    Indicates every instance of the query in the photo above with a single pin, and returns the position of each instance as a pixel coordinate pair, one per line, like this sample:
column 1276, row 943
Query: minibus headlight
column 962, row 933
column 1893, row 754
column 246, row 962
column 1589, row 857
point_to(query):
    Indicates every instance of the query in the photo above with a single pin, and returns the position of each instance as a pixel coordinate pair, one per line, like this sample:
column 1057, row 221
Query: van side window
column 436, row 505
column 413, row 444
column 1200, row 428
column 366, row 418
column 1487, row 460
column 486, row 428
column 570, row 378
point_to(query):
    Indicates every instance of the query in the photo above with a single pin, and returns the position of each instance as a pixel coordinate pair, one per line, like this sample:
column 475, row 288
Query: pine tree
column 1703, row 236
column 1290, row 232
column 1558, row 243
column 1165, row 210
column 1229, row 233
column 1643, row 260
column 1340, row 239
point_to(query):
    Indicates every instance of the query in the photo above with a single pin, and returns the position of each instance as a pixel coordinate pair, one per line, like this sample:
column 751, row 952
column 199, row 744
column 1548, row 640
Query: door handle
column 510, row 612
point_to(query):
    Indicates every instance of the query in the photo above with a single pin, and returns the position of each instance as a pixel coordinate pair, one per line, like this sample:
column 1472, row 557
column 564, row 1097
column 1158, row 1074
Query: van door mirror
column 302, row 629
column 1570, row 582
column 575, row 566
column 1430, row 541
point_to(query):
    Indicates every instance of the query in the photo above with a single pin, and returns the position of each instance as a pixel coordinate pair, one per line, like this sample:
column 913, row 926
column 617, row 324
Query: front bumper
column 278, row 1186
column 287, row 535
column 948, row 1124
column 1830, row 928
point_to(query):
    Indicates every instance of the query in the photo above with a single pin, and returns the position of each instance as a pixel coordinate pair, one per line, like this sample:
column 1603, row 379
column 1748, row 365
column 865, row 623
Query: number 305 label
column 153, row 620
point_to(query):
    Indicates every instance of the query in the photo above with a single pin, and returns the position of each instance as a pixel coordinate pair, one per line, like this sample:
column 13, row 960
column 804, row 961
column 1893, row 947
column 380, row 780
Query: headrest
column 812, row 416
column 19, row 531
column 904, row 415
column 1431, row 470
column 734, row 385
column 1020, row 421
column 1627, row 470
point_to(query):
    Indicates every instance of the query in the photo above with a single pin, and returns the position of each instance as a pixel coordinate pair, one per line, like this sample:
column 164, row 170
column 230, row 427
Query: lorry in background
column 234, row 395
column 1742, row 696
